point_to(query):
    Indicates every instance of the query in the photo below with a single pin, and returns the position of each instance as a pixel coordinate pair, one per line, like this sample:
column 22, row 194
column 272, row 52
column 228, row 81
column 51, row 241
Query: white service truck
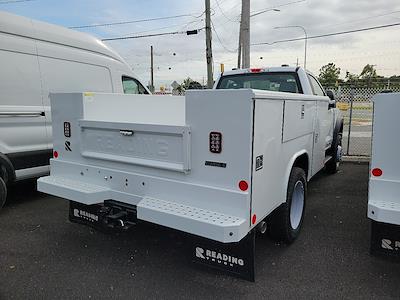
column 384, row 181
column 217, row 164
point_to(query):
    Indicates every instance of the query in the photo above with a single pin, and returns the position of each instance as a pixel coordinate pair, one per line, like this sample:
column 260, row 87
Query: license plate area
column 110, row 215
column 85, row 214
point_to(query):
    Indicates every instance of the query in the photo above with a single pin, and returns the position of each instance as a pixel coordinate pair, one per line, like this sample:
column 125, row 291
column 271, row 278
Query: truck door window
column 274, row 81
column 317, row 89
column 132, row 86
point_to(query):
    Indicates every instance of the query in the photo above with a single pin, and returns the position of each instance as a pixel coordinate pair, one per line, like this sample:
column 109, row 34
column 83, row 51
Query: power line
column 222, row 12
column 328, row 34
column 15, row 1
column 363, row 19
column 131, row 22
column 256, row 13
column 188, row 32
column 219, row 39
column 182, row 25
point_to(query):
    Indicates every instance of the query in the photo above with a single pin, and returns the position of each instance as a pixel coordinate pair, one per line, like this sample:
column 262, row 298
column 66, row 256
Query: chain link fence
column 356, row 106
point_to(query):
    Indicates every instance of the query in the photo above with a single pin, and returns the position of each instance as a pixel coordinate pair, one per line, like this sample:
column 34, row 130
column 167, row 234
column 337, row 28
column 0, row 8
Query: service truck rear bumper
column 383, row 202
column 384, row 212
column 200, row 221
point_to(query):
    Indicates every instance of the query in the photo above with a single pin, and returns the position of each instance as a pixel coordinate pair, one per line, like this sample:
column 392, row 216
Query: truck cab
column 297, row 80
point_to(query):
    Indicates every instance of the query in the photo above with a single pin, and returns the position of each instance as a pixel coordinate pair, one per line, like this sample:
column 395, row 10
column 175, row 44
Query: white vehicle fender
column 290, row 166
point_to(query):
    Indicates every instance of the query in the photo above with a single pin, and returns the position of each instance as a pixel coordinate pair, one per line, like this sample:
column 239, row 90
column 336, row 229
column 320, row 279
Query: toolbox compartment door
column 298, row 119
column 157, row 146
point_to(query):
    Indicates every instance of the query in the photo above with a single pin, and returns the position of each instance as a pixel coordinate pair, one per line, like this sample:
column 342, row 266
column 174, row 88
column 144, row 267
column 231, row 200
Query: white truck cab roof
column 260, row 70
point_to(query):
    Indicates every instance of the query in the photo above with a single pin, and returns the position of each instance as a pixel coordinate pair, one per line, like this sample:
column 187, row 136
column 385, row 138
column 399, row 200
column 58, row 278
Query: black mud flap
column 233, row 258
column 385, row 239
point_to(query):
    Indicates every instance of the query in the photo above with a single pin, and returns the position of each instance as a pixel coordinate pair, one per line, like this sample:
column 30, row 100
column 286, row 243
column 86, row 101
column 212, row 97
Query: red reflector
column 243, row 185
column 254, row 219
column 55, row 154
column 377, row 172
column 255, row 70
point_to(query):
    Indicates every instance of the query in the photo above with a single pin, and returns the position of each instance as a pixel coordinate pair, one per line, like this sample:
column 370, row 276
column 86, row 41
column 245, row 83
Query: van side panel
column 22, row 120
column 67, row 69
column 60, row 75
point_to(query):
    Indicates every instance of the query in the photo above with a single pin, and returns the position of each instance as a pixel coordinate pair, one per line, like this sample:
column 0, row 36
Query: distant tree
column 329, row 74
column 194, row 85
column 369, row 76
column 189, row 84
column 351, row 78
column 368, row 72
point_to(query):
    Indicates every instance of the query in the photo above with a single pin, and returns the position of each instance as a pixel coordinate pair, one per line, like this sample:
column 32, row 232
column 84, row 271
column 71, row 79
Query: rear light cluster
column 377, row 172
column 255, row 70
column 55, row 154
column 215, row 142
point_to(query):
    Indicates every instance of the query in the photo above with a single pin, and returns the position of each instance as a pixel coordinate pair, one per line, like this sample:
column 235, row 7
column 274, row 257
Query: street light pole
column 244, row 33
column 151, row 70
column 305, row 39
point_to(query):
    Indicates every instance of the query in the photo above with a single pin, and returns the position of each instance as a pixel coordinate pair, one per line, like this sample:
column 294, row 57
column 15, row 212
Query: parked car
column 37, row 59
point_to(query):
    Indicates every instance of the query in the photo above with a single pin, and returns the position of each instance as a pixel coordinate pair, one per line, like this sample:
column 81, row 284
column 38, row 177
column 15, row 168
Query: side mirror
column 332, row 101
column 330, row 94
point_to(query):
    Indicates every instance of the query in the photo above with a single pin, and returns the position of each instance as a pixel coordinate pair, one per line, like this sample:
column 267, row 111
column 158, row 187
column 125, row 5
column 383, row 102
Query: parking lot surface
column 43, row 255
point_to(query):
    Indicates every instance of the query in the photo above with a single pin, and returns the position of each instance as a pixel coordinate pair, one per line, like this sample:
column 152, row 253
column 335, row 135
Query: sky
column 177, row 57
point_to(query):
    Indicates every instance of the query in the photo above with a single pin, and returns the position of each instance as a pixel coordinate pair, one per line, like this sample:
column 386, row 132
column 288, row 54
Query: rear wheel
column 285, row 222
column 3, row 192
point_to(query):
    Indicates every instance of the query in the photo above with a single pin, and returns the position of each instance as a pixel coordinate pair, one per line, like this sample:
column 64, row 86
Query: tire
column 332, row 166
column 3, row 192
column 286, row 221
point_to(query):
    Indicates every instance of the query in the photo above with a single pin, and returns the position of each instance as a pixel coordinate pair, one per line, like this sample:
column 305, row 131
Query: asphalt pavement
column 44, row 256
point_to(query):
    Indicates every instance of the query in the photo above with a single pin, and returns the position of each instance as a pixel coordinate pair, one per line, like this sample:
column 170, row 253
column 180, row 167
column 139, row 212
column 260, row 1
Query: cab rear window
column 274, row 81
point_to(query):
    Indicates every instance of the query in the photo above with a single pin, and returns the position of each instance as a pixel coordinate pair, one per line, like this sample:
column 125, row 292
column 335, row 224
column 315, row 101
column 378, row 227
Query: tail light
column 243, row 185
column 377, row 172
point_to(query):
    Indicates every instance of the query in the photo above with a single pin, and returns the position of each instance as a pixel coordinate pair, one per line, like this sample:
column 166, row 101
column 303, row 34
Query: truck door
column 322, row 127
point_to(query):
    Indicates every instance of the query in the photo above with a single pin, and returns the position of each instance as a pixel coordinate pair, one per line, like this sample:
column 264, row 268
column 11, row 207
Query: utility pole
column 210, row 80
column 245, row 33
column 239, row 47
column 151, row 70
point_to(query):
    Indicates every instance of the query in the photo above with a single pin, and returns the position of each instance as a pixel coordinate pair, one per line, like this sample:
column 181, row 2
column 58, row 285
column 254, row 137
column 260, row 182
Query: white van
column 36, row 59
